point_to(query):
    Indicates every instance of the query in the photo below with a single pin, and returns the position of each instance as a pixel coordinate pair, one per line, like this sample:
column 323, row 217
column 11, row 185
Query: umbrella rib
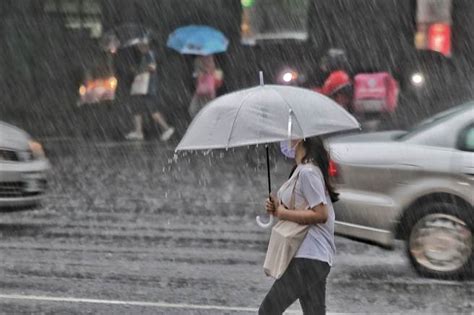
column 236, row 115
column 289, row 106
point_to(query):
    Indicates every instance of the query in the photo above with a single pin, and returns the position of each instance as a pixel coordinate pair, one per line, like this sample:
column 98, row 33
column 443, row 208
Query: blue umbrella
column 197, row 40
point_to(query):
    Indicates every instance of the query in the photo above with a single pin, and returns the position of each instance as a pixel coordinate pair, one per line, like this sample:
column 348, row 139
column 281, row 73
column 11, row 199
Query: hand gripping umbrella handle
column 264, row 225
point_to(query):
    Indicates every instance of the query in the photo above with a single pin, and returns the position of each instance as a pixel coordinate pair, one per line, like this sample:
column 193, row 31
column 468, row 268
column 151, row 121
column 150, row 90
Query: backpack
column 375, row 93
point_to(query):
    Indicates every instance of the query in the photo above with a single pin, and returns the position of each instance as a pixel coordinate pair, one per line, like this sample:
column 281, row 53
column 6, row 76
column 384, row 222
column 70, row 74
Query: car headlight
column 287, row 77
column 37, row 150
column 82, row 90
column 112, row 83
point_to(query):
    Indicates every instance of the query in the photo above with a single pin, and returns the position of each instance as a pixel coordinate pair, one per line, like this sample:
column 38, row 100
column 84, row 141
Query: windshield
column 436, row 119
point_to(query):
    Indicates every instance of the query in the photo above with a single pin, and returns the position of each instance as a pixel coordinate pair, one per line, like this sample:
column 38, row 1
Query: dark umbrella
column 125, row 35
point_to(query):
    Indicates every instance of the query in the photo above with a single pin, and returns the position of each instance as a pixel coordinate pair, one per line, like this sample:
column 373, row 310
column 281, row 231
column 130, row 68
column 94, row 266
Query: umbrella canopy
column 125, row 35
column 265, row 114
column 197, row 40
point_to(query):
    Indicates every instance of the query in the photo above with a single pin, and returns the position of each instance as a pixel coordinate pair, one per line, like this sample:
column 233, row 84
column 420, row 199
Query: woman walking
column 207, row 83
column 305, row 199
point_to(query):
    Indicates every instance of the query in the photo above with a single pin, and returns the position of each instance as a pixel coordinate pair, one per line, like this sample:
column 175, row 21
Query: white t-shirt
column 310, row 191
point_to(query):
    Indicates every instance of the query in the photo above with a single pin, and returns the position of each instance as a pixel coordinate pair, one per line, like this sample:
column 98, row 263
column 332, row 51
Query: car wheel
column 440, row 240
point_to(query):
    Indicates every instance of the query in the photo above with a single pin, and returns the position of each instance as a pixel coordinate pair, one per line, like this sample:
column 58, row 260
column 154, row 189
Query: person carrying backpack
column 338, row 84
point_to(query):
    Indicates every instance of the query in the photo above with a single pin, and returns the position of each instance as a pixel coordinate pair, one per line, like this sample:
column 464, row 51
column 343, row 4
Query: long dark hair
column 317, row 154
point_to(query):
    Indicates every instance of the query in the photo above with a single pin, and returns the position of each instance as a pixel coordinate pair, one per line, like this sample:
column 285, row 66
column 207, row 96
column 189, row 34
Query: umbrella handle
column 264, row 225
column 270, row 220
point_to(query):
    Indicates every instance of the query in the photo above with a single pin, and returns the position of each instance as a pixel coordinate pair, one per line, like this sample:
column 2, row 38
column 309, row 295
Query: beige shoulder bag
column 285, row 239
column 140, row 84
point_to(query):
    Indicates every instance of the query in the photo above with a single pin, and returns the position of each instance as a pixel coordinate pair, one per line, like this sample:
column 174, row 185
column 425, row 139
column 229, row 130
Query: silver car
column 23, row 169
column 417, row 186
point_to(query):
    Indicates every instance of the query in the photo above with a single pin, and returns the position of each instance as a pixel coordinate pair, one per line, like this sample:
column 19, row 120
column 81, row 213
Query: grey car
column 417, row 186
column 23, row 169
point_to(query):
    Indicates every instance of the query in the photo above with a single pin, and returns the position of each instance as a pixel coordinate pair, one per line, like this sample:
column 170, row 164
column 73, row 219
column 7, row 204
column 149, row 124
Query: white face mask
column 287, row 150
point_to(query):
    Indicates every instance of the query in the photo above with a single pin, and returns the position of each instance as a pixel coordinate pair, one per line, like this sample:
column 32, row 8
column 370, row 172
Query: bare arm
column 315, row 215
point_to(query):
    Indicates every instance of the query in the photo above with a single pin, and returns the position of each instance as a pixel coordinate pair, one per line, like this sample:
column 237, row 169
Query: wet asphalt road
column 124, row 222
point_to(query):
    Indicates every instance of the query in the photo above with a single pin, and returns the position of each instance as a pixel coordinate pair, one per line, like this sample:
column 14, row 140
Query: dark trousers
column 305, row 279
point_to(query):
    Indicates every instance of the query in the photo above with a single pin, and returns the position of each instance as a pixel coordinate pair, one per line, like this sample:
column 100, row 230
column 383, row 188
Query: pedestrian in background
column 338, row 84
column 143, row 95
column 339, row 87
column 208, row 80
column 305, row 199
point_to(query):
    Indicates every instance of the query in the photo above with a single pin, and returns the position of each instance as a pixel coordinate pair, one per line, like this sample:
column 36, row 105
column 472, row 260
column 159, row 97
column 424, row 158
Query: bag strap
column 293, row 197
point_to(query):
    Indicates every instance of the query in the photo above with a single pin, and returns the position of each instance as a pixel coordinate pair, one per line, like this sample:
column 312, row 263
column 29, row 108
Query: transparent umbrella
column 263, row 115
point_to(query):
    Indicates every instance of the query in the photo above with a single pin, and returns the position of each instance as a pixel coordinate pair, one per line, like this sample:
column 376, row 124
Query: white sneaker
column 167, row 134
column 134, row 136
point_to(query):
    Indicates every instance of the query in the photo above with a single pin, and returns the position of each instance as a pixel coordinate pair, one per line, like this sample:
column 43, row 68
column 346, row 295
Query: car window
column 435, row 120
column 466, row 139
